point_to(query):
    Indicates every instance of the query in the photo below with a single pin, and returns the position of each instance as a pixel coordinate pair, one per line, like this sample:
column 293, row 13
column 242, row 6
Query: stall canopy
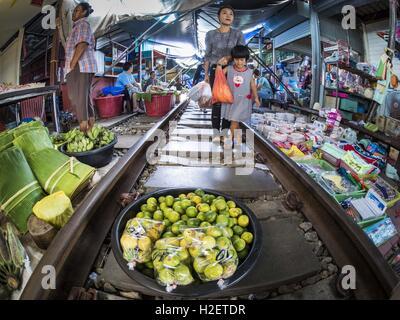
column 182, row 24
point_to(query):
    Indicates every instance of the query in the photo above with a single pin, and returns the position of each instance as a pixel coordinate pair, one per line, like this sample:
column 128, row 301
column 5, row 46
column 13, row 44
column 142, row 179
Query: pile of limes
column 202, row 233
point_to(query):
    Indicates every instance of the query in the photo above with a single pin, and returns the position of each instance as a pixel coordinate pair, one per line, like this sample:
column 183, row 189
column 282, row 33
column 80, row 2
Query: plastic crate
column 110, row 106
column 348, row 105
column 159, row 106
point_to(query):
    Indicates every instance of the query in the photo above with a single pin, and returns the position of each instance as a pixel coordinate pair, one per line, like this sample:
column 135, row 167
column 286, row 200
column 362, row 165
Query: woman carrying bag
column 219, row 44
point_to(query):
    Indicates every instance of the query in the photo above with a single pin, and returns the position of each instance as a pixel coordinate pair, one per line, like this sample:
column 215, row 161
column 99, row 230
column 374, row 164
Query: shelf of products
column 357, row 95
column 358, row 72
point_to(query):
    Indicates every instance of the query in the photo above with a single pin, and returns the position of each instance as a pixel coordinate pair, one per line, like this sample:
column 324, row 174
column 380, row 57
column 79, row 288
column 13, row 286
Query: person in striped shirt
column 80, row 64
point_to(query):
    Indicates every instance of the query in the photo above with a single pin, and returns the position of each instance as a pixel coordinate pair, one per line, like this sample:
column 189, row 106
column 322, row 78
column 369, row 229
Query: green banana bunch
column 95, row 138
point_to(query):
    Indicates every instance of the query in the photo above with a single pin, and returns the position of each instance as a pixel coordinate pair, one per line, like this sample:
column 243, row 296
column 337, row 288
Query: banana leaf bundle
column 6, row 140
column 57, row 172
column 33, row 141
column 19, row 189
column 27, row 127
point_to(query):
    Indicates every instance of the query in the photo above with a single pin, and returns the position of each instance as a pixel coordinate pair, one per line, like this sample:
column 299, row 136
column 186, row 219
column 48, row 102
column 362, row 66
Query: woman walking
column 80, row 64
column 219, row 43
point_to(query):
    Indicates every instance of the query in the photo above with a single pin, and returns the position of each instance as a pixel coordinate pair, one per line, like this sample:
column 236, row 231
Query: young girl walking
column 244, row 90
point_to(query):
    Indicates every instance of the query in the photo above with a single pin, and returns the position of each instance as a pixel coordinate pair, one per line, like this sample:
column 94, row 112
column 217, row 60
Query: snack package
column 138, row 239
column 214, row 256
column 334, row 183
column 171, row 261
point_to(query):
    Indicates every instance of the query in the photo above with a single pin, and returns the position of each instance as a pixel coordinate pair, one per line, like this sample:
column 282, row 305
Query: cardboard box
column 381, row 123
column 392, row 127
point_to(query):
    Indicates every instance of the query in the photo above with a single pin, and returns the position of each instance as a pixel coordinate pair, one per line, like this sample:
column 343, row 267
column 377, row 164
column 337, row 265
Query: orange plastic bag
column 221, row 92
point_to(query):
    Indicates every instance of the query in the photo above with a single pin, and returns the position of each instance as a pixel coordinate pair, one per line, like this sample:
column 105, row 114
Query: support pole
column 140, row 63
column 316, row 56
column 273, row 59
column 392, row 23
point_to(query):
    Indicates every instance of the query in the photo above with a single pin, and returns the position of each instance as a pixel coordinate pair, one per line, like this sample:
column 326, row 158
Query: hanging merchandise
column 221, row 91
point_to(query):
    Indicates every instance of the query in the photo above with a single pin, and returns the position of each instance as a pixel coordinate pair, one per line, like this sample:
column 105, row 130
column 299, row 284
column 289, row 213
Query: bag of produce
column 214, row 256
column 201, row 93
column 19, row 189
column 55, row 209
column 138, row 239
column 171, row 262
column 221, row 91
column 57, row 172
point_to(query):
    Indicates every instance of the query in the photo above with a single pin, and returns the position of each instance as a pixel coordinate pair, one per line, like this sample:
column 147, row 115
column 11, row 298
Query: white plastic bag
column 201, row 91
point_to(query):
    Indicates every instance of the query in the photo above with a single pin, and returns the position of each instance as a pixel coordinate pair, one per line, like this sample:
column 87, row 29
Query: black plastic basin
column 96, row 158
column 192, row 290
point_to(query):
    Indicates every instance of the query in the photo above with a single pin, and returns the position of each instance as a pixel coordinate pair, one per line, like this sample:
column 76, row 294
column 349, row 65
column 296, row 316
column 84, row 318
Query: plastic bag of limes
column 138, row 238
column 214, row 256
column 171, row 263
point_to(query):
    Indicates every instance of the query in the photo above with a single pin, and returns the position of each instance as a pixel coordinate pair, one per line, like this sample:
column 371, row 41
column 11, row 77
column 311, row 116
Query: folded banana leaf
column 57, row 172
column 33, row 141
column 6, row 140
column 27, row 127
column 19, row 189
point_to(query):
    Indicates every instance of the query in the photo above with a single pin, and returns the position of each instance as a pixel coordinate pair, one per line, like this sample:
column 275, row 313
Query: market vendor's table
column 17, row 96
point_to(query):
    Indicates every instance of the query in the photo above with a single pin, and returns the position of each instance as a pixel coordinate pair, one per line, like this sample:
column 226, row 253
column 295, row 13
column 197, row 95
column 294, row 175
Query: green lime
column 244, row 253
column 186, row 203
column 184, row 217
column 247, row 237
column 231, row 222
column 223, row 243
column 196, row 199
column 193, row 222
column 231, row 204
column 199, row 264
column 201, row 216
column 227, row 232
column 168, row 234
column 194, row 251
column 203, row 207
column 173, row 216
column 161, row 199
column 199, row 192
column 144, row 208
column 178, row 208
column 182, row 275
column 214, row 232
column 151, row 200
column 140, row 215
column 167, row 223
column 239, row 244
column 208, row 242
column 220, row 204
column 158, row 215
column 205, row 224
column 182, row 196
column 166, row 276
column 222, row 220
column 211, row 216
column 213, row 271
column 238, row 230
column 169, row 200
column 243, row 221
column 191, row 212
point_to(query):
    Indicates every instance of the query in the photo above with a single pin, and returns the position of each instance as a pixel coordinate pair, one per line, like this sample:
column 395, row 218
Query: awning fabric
column 183, row 37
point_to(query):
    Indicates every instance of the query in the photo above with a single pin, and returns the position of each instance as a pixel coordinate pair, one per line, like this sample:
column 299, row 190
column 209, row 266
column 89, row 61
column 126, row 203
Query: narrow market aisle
column 289, row 258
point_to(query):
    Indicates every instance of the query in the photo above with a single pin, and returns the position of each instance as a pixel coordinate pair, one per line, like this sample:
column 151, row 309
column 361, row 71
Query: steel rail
column 345, row 240
column 76, row 246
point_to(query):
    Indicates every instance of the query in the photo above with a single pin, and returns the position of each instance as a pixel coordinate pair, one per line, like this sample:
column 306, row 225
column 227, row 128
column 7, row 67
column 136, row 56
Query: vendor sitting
column 127, row 80
column 152, row 81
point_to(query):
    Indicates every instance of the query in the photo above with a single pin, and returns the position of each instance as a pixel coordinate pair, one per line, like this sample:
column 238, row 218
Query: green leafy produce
column 12, row 258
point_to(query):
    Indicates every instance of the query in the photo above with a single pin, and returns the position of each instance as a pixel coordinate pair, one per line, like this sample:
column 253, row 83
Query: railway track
column 307, row 238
